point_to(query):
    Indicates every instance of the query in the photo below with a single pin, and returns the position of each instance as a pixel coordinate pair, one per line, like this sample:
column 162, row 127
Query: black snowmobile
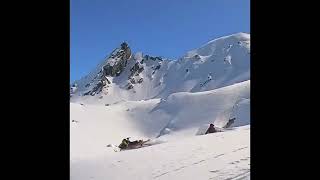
column 127, row 145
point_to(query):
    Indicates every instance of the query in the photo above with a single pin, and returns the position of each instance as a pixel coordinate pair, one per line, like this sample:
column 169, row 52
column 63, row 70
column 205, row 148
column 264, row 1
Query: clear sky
column 167, row 28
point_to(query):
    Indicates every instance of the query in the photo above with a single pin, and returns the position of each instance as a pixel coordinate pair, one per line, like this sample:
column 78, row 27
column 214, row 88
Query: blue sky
column 167, row 28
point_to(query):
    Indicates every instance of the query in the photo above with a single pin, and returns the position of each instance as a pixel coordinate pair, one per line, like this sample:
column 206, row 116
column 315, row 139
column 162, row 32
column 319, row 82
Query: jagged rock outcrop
column 136, row 69
column 114, row 66
column 117, row 61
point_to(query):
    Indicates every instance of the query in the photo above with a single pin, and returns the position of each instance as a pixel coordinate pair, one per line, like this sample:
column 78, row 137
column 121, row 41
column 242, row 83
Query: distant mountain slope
column 124, row 76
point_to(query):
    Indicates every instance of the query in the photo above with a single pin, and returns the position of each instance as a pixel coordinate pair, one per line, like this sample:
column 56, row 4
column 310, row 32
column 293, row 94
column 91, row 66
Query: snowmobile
column 134, row 145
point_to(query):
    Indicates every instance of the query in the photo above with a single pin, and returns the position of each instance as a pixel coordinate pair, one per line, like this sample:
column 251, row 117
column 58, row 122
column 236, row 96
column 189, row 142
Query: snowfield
column 224, row 155
column 172, row 107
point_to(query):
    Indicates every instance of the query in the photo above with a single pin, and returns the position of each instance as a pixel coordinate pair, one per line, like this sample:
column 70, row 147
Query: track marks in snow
column 234, row 162
column 244, row 173
column 240, row 176
column 233, row 171
column 214, row 171
column 240, row 149
column 198, row 162
column 218, row 155
column 245, row 159
column 161, row 175
column 191, row 160
column 180, row 168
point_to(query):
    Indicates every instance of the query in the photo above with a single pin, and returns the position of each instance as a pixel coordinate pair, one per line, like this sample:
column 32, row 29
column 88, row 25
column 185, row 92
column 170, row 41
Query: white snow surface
column 219, row 156
column 174, row 115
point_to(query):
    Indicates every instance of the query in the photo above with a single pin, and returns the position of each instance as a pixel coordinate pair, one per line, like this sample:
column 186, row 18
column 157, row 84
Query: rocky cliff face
column 115, row 64
column 117, row 61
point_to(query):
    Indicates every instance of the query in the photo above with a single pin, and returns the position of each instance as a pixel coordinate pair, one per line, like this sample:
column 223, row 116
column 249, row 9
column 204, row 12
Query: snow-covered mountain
column 124, row 76
column 170, row 102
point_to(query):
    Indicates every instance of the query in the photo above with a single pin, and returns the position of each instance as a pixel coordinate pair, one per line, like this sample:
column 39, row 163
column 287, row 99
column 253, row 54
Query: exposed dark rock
column 124, row 45
column 114, row 70
column 98, row 88
column 204, row 83
column 147, row 57
column 230, row 122
column 157, row 67
column 140, row 69
column 140, row 80
column 159, row 58
column 136, row 69
column 197, row 56
column 118, row 73
column 119, row 61
column 107, row 80
column 87, row 93
column 132, row 80
column 130, row 86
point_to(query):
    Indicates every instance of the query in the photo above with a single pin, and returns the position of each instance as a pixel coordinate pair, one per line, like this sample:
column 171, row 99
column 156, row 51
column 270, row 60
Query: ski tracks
column 231, row 172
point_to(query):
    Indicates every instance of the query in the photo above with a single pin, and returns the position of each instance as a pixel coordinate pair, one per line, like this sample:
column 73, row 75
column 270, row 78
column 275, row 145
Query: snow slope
column 171, row 106
column 183, row 114
column 219, row 156
column 180, row 113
